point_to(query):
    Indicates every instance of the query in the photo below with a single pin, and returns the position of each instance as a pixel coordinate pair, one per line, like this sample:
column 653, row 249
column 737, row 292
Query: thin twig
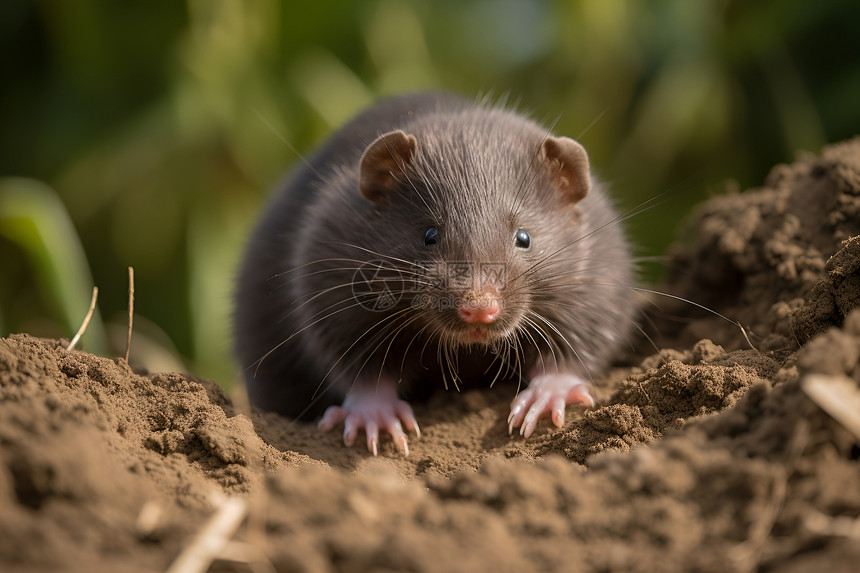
column 746, row 336
column 130, row 310
column 213, row 538
column 87, row 319
column 836, row 395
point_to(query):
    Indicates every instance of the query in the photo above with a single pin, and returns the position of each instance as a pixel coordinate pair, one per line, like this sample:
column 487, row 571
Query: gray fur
column 477, row 175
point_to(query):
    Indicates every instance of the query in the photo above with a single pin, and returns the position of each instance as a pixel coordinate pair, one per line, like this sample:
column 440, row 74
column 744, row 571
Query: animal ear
column 384, row 163
column 567, row 162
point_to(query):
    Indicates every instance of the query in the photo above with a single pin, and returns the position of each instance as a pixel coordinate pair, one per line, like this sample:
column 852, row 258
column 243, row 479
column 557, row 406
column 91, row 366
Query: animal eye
column 522, row 239
column 431, row 236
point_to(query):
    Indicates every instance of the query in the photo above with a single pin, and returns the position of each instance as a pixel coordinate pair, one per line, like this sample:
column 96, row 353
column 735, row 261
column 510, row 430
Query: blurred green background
column 147, row 134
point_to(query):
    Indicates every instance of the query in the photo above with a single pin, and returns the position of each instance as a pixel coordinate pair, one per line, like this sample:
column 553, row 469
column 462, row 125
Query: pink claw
column 371, row 407
column 546, row 394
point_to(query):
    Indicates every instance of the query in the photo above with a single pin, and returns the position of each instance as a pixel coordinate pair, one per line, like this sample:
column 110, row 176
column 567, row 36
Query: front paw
column 369, row 408
column 547, row 394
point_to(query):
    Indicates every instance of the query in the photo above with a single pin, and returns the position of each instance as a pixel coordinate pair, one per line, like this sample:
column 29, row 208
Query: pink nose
column 484, row 309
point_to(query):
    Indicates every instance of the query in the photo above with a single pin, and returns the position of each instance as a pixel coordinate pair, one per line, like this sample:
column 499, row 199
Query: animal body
column 432, row 241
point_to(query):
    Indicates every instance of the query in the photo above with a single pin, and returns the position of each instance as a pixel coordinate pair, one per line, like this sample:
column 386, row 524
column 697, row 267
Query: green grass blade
column 33, row 217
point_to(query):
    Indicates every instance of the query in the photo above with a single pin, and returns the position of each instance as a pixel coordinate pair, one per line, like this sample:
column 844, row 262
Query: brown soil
column 704, row 457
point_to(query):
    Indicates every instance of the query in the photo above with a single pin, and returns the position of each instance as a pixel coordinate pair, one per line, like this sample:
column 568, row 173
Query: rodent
column 432, row 241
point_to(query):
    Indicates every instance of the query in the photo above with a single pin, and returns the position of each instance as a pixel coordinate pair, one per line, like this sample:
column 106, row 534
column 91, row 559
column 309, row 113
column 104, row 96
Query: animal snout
column 483, row 308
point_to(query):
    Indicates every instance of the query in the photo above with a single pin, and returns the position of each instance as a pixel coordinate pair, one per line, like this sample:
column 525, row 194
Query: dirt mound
column 754, row 256
column 702, row 457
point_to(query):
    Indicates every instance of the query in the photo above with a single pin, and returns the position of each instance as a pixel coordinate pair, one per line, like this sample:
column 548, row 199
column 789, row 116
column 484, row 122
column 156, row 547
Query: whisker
column 260, row 360
column 286, row 142
column 534, row 171
column 674, row 297
column 560, row 335
column 642, row 207
column 409, row 345
column 388, row 317
column 361, row 265
column 593, row 123
column 393, row 335
column 545, row 338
